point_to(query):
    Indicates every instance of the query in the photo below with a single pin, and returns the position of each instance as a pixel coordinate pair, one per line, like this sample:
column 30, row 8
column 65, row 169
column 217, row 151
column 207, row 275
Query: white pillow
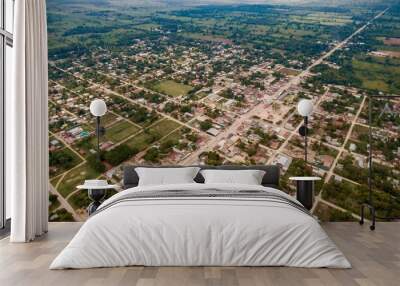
column 247, row 177
column 166, row 176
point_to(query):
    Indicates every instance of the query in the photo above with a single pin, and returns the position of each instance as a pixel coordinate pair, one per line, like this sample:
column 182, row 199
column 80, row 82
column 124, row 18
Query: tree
column 166, row 146
column 205, row 125
column 152, row 155
column 120, row 154
column 53, row 198
column 95, row 164
column 213, row 158
column 61, row 158
column 193, row 137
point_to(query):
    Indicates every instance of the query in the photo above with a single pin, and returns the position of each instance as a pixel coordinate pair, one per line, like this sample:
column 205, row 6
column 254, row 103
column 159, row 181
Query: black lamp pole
column 98, row 108
column 98, row 133
column 370, row 151
column 305, row 108
column 303, row 131
column 369, row 203
column 305, row 138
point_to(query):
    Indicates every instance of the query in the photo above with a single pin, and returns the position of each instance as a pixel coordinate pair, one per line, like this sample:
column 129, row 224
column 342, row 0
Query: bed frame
column 270, row 179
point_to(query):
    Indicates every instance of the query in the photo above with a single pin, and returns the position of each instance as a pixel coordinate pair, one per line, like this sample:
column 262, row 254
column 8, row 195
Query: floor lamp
column 305, row 108
column 98, row 108
column 369, row 204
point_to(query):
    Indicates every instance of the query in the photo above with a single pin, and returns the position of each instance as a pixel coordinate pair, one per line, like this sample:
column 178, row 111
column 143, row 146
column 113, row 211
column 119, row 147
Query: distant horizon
column 189, row 3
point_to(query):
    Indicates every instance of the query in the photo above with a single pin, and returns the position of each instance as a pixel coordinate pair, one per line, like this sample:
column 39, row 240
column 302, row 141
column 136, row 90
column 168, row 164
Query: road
column 67, row 145
column 64, row 203
column 286, row 142
column 279, row 95
column 297, row 79
column 107, row 90
column 343, row 147
column 341, row 150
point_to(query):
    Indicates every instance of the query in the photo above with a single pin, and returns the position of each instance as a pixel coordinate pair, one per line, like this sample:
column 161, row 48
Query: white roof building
column 213, row 131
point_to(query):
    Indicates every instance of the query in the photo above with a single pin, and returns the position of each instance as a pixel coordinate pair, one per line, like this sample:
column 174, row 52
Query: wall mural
column 220, row 85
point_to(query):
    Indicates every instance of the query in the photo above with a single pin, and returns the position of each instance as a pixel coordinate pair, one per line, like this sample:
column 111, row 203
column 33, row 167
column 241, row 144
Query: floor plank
column 375, row 257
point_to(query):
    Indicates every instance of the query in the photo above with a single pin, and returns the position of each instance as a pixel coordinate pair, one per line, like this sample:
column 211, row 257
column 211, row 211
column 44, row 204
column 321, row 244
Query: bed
column 201, row 224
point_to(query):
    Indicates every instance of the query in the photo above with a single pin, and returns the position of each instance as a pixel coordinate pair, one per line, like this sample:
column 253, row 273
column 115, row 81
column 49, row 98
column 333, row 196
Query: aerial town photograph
column 218, row 82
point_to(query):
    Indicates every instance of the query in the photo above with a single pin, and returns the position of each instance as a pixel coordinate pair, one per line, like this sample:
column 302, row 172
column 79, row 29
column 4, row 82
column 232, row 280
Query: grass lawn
column 54, row 181
column 147, row 27
column 349, row 196
column 120, row 131
column 289, row 71
column 326, row 213
column 172, row 88
column 76, row 177
column 164, row 127
column 377, row 75
column 375, row 84
column 106, row 120
column 157, row 131
column 140, row 142
column 210, row 38
column 327, row 19
column 200, row 95
column 79, row 200
column 174, row 136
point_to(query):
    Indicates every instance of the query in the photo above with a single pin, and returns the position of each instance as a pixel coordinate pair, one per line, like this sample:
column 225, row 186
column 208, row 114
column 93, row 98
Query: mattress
column 201, row 225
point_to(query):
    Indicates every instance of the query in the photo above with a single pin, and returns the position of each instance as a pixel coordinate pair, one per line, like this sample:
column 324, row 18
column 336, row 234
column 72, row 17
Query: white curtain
column 27, row 124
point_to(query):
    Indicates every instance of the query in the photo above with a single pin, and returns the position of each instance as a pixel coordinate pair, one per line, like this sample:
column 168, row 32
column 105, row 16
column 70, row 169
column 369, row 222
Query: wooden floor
column 375, row 257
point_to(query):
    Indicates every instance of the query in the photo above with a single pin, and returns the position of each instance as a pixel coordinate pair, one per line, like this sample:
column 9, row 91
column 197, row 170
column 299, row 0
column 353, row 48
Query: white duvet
column 202, row 232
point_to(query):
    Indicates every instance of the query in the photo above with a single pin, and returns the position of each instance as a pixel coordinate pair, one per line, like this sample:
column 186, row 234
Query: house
column 213, row 131
column 283, row 161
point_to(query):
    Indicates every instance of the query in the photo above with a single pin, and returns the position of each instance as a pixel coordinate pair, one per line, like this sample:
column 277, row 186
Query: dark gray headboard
column 271, row 178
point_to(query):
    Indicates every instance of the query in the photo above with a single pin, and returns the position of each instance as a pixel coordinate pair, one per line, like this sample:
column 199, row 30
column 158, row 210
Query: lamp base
column 372, row 211
column 305, row 193
column 96, row 195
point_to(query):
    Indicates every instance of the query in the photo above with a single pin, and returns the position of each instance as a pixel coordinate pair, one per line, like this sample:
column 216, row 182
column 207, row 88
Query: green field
column 350, row 196
column 157, row 131
column 148, row 27
column 326, row 213
column 174, row 136
column 120, row 131
column 140, row 142
column 107, row 119
column 76, row 177
column 80, row 199
column 172, row 88
column 54, row 181
column 164, row 127
column 210, row 38
column 376, row 75
column 328, row 19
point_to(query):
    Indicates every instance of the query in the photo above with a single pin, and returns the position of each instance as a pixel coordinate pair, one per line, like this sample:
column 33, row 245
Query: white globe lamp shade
column 98, row 107
column 305, row 107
